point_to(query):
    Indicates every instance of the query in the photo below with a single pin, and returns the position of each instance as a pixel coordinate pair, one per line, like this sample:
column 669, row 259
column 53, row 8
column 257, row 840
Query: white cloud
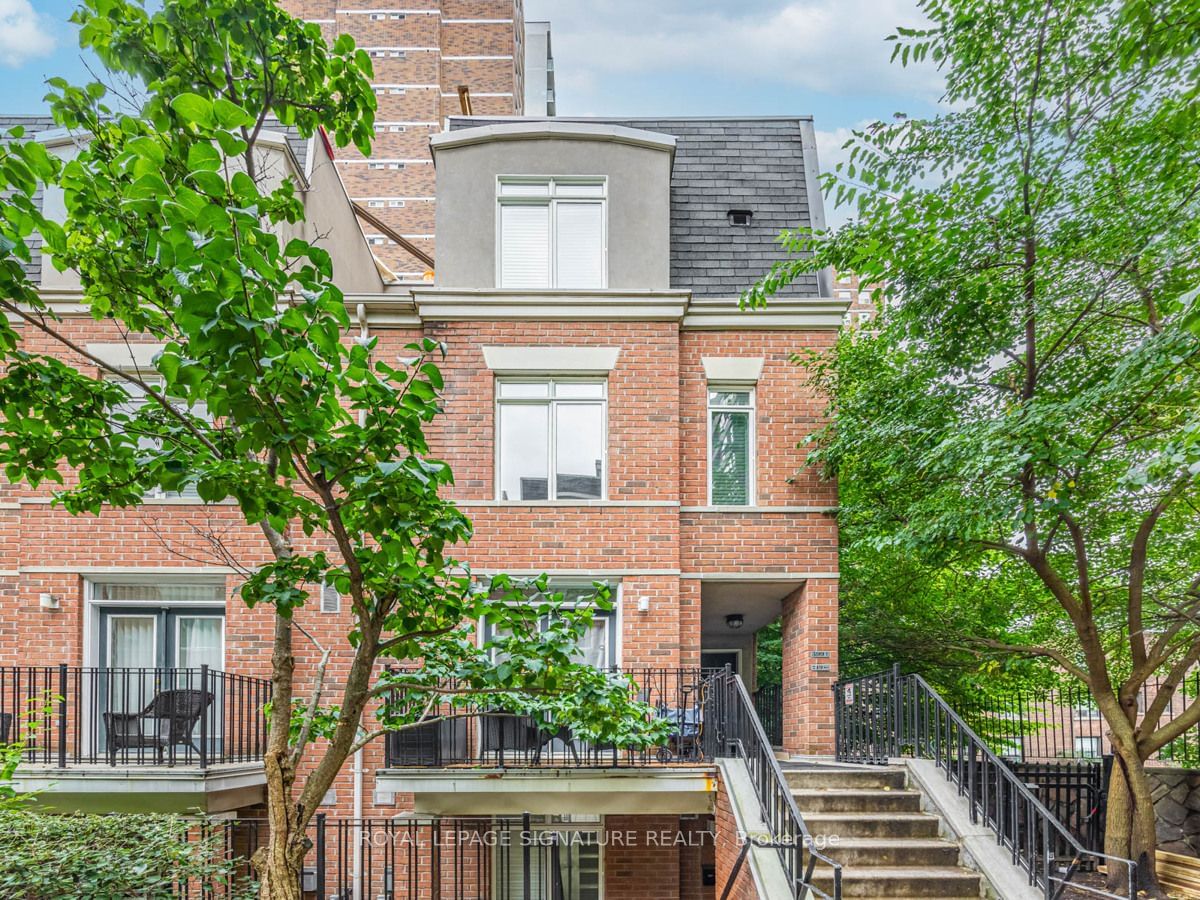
column 24, row 33
column 832, row 46
column 831, row 151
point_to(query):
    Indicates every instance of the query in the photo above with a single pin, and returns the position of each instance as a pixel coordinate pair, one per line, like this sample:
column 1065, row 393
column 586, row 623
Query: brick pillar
column 809, row 625
column 689, row 622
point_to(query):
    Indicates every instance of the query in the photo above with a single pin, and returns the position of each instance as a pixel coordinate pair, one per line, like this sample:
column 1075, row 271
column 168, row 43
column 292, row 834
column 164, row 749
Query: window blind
column 525, row 246
column 579, row 245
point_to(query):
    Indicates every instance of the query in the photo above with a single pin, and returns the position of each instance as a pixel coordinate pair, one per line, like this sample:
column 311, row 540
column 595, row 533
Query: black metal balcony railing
column 476, row 735
column 74, row 715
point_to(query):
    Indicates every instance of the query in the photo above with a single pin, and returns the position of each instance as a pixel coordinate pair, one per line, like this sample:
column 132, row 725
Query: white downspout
column 361, row 315
column 358, row 832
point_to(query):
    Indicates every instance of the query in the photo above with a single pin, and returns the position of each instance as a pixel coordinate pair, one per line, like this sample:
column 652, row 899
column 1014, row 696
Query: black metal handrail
column 882, row 716
column 733, row 729
column 94, row 715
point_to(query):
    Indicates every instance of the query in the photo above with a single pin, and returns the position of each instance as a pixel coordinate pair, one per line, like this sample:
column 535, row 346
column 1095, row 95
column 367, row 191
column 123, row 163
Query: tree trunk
column 280, row 864
column 1130, row 827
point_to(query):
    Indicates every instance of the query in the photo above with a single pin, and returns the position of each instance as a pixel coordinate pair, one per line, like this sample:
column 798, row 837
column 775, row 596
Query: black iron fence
column 472, row 734
column 768, row 703
column 426, row 858
column 1045, row 724
column 74, row 715
column 888, row 715
column 1073, row 791
column 735, row 731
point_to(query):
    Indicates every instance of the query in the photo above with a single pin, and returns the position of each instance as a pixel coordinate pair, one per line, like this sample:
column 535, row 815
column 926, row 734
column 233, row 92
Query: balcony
column 152, row 739
column 467, row 760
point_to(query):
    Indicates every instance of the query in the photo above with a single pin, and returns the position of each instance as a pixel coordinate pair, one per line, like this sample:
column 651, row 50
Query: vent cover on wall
column 331, row 600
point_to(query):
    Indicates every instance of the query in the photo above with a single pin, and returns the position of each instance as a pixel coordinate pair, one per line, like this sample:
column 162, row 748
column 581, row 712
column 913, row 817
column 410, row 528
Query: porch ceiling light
column 735, row 621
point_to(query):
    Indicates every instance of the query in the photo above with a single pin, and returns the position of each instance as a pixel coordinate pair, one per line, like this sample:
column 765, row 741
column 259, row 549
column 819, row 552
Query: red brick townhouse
column 610, row 414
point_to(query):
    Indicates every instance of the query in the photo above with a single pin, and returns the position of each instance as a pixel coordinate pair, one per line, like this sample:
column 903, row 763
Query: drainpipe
column 358, row 831
column 364, row 333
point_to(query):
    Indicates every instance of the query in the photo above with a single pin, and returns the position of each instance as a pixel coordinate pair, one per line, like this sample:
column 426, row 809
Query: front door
column 719, row 659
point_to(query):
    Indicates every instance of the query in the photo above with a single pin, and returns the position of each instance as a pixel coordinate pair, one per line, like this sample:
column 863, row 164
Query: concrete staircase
column 873, row 823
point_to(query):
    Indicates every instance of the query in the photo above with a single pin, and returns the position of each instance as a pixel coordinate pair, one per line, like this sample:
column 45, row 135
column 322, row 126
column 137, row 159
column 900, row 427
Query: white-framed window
column 1087, row 747
column 731, row 436
column 1087, row 711
column 139, row 398
column 566, row 858
column 552, row 232
column 551, row 438
column 598, row 646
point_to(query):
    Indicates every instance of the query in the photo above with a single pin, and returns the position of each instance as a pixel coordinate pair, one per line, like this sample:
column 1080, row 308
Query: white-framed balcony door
column 144, row 652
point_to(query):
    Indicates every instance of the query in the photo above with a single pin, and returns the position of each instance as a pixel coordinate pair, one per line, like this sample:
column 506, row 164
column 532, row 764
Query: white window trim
column 92, row 601
column 222, row 618
column 752, row 458
column 551, row 201
column 615, row 615
column 596, row 828
column 552, row 461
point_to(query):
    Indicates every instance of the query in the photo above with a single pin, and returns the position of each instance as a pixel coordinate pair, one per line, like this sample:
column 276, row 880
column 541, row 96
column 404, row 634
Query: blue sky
column 633, row 57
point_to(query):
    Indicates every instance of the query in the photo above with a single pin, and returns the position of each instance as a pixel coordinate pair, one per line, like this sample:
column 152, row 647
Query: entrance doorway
column 719, row 659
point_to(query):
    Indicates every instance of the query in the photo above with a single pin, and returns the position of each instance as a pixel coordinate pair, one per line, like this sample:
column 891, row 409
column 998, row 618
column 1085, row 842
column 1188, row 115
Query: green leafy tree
column 261, row 396
column 1029, row 402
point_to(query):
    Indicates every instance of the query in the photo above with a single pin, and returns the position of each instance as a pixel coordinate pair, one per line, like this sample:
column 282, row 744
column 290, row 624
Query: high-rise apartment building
column 423, row 52
column 539, row 70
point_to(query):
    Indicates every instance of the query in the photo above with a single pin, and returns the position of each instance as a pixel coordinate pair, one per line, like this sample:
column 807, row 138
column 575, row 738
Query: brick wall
column 657, row 463
column 441, row 45
column 726, row 849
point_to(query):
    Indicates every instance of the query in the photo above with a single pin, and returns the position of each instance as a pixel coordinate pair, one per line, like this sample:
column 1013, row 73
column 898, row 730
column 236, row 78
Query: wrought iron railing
column 1043, row 724
column 768, row 703
column 470, row 732
column 78, row 715
column 888, row 715
column 433, row 858
column 734, row 730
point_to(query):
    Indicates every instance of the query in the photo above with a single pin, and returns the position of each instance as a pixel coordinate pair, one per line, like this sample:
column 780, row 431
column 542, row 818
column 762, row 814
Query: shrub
column 47, row 857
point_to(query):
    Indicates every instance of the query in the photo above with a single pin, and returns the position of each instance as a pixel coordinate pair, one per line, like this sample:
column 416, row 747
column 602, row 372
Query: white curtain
column 593, row 645
column 199, row 642
column 132, row 644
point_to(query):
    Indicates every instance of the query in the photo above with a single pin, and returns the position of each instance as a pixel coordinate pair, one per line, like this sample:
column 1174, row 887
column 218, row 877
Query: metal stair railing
column 732, row 729
column 884, row 715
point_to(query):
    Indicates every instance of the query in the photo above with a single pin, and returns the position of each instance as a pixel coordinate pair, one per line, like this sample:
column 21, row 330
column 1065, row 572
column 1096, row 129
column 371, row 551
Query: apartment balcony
column 144, row 739
column 472, row 760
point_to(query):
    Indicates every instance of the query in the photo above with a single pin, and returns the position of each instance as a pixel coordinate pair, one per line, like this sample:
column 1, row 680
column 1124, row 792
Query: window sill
column 510, row 504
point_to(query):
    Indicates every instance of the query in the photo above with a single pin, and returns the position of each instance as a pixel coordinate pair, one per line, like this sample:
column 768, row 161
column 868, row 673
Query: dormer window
column 552, row 233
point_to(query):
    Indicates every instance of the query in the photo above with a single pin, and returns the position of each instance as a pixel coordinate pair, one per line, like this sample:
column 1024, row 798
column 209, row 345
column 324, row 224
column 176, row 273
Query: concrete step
column 856, row 852
column 882, row 825
column 856, row 800
column 817, row 777
column 903, row 881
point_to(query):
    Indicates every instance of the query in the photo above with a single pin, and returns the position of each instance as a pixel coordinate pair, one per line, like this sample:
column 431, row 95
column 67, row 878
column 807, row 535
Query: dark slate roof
column 32, row 125
column 722, row 164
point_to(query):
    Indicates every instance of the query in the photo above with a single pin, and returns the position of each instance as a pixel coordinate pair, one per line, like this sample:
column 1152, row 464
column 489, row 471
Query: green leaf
column 193, row 108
